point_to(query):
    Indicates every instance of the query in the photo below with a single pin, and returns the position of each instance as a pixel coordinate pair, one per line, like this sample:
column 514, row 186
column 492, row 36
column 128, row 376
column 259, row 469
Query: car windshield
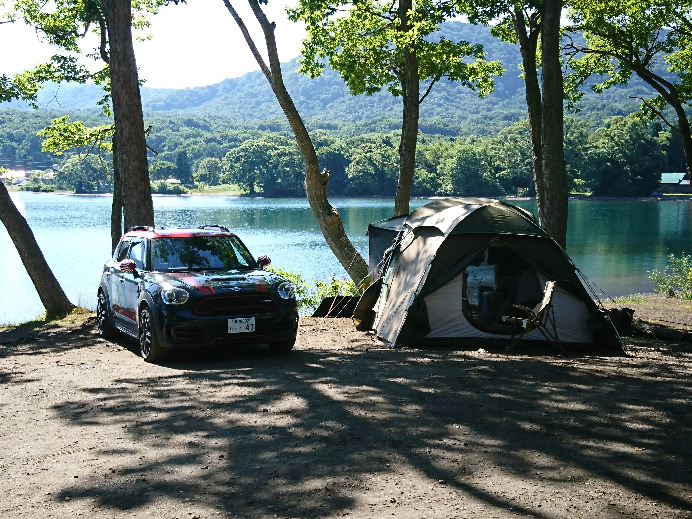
column 200, row 253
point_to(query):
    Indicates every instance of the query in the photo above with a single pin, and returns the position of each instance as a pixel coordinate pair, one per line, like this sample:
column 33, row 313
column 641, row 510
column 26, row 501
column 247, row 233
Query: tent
column 454, row 269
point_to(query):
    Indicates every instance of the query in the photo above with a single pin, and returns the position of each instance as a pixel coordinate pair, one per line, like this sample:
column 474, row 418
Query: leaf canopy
column 364, row 41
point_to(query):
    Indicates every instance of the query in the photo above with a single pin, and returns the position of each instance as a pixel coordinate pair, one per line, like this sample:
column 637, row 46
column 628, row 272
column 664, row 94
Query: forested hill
column 450, row 109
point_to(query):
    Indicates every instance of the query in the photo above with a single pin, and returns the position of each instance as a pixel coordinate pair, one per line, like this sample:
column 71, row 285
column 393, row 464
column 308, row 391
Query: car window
column 121, row 252
column 200, row 252
column 137, row 254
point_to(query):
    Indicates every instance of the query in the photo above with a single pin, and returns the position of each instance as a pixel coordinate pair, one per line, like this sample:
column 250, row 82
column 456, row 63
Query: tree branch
column 104, row 38
column 657, row 112
column 248, row 39
column 429, row 89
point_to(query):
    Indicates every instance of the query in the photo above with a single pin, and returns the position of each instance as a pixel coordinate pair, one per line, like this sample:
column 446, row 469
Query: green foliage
column 372, row 167
column 304, row 292
column 466, row 170
column 211, row 118
column 676, row 279
column 86, row 173
column 162, row 170
column 209, row 171
column 509, row 156
column 161, row 187
column 270, row 165
column 366, row 43
column 630, row 299
column 647, row 39
column 37, row 186
column 309, row 296
column 220, row 189
column 26, row 85
column 63, row 135
column 183, row 170
column 336, row 287
column 576, row 153
column 365, row 165
column 624, row 158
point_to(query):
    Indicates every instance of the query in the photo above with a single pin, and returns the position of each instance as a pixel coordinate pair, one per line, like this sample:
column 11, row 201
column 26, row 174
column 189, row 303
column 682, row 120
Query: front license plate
column 241, row 325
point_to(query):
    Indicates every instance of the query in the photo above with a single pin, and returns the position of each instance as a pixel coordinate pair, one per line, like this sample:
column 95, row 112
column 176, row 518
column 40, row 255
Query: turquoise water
column 615, row 244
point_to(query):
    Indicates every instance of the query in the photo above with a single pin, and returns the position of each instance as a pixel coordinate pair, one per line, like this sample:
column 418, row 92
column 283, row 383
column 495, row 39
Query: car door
column 131, row 282
column 116, row 280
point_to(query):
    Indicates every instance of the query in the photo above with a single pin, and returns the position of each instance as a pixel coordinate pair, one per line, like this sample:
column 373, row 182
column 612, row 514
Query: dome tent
column 454, row 269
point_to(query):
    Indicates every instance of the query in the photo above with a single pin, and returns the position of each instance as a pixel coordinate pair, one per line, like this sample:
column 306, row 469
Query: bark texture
column 544, row 99
column 528, row 32
column 553, row 211
column 49, row 290
column 117, row 205
column 328, row 217
column 131, row 146
column 669, row 92
column 410, row 84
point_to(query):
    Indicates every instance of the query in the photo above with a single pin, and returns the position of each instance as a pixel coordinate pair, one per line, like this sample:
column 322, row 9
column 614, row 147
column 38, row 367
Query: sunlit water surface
column 616, row 244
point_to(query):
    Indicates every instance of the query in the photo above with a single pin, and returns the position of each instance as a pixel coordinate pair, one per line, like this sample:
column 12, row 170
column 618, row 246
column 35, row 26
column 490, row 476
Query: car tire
column 282, row 346
column 149, row 346
column 103, row 319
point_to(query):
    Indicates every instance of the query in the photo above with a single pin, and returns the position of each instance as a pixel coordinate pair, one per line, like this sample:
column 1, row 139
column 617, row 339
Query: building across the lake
column 17, row 177
column 13, row 176
column 674, row 183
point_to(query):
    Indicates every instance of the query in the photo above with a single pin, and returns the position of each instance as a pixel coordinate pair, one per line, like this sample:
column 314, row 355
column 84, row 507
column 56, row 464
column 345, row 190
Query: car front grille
column 236, row 305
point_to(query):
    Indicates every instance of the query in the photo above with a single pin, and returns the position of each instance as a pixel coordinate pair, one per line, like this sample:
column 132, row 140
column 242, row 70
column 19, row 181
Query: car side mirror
column 127, row 265
column 263, row 261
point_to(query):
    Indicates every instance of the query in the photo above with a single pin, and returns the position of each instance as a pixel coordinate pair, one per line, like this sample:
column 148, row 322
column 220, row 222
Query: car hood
column 221, row 282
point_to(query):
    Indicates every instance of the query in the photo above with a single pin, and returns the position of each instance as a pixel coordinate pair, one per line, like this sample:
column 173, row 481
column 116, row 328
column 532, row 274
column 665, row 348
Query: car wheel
column 103, row 321
column 280, row 346
column 148, row 341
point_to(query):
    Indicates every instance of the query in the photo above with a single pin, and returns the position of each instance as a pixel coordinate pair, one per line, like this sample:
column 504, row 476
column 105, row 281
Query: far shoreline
column 673, row 197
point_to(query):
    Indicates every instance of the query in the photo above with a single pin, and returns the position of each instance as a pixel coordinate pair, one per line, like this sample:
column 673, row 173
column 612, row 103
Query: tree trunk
column 49, row 290
column 131, row 147
column 528, row 32
column 668, row 91
column 686, row 134
column 328, row 217
column 117, row 205
column 410, row 84
column 553, row 213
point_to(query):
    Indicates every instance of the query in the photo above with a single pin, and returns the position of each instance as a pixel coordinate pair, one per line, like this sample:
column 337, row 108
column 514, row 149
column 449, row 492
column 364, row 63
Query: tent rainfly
column 453, row 270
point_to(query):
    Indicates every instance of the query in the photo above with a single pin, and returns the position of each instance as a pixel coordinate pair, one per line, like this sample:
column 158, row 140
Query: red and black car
column 178, row 288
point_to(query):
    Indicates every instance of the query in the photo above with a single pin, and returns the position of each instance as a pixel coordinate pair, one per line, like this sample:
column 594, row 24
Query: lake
column 614, row 243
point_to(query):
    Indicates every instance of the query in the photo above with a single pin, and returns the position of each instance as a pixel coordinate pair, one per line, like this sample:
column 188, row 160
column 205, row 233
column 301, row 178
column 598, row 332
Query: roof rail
column 214, row 226
column 140, row 228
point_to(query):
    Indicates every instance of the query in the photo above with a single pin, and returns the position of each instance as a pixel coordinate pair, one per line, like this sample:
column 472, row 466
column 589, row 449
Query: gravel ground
column 343, row 427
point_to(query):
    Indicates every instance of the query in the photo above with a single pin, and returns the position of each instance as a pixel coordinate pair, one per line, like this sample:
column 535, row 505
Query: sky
column 193, row 44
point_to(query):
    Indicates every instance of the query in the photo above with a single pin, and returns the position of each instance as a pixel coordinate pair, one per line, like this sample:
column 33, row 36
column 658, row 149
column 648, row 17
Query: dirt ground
column 344, row 427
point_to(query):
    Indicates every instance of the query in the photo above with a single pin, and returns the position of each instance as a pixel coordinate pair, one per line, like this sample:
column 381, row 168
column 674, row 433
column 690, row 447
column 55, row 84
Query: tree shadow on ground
column 254, row 433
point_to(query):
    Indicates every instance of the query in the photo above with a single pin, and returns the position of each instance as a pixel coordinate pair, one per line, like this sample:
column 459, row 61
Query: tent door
column 495, row 280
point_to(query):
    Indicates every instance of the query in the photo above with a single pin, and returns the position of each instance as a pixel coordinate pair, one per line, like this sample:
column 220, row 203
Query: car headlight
column 286, row 290
column 174, row 295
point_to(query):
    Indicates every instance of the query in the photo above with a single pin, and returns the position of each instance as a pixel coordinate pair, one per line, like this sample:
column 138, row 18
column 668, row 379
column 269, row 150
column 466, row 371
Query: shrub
column 676, row 279
column 161, row 187
column 37, row 187
column 300, row 287
column 335, row 287
column 309, row 296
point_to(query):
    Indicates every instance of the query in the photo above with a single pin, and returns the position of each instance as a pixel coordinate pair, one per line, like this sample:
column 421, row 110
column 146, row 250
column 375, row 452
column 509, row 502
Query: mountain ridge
column 450, row 109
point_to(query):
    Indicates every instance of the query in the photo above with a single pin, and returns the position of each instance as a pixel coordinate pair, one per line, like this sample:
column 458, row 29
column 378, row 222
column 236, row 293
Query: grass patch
column 631, row 299
column 221, row 189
